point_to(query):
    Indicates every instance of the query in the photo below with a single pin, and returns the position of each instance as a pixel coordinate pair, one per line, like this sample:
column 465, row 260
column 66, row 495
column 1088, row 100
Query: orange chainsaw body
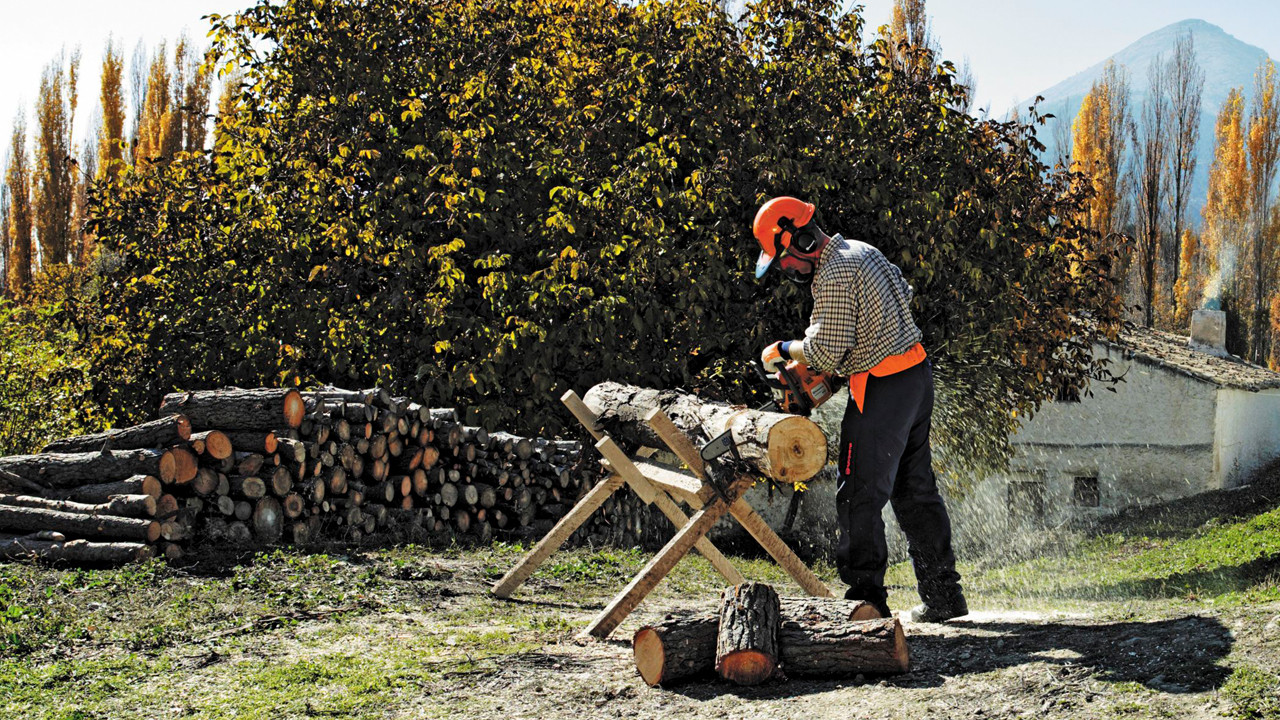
column 798, row 389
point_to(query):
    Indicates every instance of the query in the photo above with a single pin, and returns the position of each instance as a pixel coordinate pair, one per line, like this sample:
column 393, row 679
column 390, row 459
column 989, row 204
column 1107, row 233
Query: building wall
column 1149, row 441
column 1248, row 430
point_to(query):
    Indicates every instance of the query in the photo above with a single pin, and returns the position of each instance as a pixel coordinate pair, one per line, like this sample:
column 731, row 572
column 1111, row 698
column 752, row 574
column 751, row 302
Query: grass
column 292, row 634
column 1225, row 563
column 1254, row 693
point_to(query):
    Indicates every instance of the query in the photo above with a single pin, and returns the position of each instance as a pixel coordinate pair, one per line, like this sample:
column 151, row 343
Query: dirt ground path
column 1170, row 662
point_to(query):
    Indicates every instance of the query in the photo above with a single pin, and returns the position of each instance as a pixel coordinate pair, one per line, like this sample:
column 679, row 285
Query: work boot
column 881, row 604
column 938, row 612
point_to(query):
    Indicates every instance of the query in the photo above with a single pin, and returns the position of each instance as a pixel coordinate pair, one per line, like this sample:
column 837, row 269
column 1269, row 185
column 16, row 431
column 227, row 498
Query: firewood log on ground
column 815, row 637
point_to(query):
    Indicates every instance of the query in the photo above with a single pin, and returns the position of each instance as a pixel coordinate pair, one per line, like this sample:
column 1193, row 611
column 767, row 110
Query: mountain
column 1226, row 61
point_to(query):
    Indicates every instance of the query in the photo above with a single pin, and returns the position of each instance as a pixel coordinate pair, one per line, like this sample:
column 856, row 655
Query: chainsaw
column 798, row 389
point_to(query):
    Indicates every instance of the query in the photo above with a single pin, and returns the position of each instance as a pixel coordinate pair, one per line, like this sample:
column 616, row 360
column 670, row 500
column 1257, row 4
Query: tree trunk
column 747, row 643
column 68, row 470
column 76, row 552
column 27, row 519
column 676, row 649
column 238, row 409
column 683, row 647
column 136, row 506
column 155, row 434
column 784, row 447
column 94, row 494
column 831, row 648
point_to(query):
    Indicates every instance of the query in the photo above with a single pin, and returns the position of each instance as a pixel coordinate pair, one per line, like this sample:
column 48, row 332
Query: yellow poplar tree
column 55, row 167
column 110, row 152
column 17, row 178
column 1263, row 144
column 1228, row 201
column 1189, row 286
column 1098, row 144
column 155, row 109
column 195, row 103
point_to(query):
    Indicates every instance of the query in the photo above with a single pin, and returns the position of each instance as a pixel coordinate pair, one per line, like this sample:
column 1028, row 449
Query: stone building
column 1187, row 418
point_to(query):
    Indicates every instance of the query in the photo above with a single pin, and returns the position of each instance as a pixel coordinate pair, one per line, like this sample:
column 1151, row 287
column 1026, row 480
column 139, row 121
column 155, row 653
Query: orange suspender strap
column 888, row 366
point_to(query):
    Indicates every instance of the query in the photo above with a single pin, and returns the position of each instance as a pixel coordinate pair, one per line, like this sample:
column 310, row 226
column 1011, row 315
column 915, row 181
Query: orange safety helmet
column 775, row 227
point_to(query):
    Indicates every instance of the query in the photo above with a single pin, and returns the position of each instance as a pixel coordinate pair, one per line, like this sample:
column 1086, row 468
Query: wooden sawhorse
column 658, row 484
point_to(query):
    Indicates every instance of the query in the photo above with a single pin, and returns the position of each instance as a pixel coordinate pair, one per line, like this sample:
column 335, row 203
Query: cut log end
column 747, row 667
column 797, row 449
column 650, row 658
column 294, row 409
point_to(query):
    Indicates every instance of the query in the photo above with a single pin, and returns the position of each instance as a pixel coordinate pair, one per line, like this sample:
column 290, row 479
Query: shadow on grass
column 1181, row 655
column 1183, row 517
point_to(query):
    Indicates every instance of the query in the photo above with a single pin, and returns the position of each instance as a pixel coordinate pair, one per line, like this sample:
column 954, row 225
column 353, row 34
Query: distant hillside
column 1227, row 63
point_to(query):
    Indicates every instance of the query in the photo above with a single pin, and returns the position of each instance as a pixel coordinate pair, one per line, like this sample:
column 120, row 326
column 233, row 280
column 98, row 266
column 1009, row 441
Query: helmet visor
column 763, row 264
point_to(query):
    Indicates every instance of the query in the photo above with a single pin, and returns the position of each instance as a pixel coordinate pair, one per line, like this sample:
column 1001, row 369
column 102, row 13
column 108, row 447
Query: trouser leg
column 871, row 445
column 919, row 507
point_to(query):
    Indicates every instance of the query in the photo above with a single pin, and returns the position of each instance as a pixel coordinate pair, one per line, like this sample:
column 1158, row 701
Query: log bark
column 813, row 647
column 784, row 447
column 76, row 552
column 155, row 434
column 27, row 519
column 679, row 648
column 236, row 408
column 69, row 470
column 135, row 506
column 684, row 646
column 747, row 643
column 291, row 450
column 94, row 494
column 254, row 441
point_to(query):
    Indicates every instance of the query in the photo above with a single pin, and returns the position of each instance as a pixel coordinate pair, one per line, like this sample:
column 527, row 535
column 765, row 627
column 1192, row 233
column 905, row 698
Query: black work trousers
column 884, row 457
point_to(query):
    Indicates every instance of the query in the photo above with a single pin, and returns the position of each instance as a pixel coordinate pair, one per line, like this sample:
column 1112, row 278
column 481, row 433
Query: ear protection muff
column 805, row 239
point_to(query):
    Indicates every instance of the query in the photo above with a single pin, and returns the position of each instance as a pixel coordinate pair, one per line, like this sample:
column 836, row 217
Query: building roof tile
column 1174, row 352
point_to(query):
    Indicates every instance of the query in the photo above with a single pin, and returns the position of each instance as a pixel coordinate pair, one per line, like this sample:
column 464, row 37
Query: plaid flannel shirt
column 861, row 309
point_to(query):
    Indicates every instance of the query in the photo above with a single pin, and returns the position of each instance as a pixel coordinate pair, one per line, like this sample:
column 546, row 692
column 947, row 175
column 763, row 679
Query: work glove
column 773, row 358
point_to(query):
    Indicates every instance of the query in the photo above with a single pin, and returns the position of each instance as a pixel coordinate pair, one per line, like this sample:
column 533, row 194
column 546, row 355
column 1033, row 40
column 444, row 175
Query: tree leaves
column 507, row 200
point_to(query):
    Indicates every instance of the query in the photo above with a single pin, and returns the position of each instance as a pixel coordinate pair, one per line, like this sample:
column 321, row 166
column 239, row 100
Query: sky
column 1016, row 47
column 34, row 31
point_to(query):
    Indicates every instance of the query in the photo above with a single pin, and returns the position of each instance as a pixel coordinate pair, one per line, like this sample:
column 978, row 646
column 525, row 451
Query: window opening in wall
column 1067, row 394
column 1026, row 500
column 1085, row 492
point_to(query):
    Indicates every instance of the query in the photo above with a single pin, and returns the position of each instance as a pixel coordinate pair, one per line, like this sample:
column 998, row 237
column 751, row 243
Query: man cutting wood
column 861, row 326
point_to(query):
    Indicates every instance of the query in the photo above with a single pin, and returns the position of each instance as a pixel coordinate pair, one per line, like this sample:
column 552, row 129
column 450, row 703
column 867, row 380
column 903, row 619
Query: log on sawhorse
column 592, row 501
column 658, row 484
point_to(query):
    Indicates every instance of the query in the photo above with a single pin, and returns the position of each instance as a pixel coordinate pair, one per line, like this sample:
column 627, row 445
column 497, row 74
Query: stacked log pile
column 756, row 636
column 239, row 467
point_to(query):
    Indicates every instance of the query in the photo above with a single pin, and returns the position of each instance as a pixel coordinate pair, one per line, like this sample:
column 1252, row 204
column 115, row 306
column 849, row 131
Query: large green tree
column 489, row 203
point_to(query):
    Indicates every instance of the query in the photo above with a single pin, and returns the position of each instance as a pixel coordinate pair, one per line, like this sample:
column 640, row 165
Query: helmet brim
column 762, row 265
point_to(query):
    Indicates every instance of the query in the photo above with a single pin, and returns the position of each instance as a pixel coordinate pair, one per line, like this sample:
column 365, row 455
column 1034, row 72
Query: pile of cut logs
column 244, row 467
column 756, row 636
